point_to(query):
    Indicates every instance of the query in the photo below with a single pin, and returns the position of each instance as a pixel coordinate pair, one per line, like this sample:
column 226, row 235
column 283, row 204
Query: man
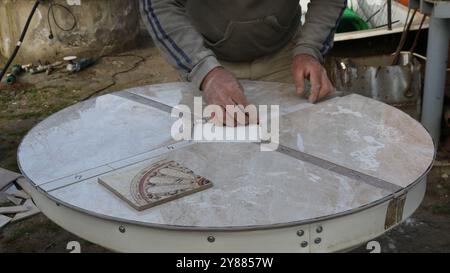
column 215, row 42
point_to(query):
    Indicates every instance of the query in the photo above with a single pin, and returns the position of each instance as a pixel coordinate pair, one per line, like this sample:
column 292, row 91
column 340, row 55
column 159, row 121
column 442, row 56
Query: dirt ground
column 36, row 97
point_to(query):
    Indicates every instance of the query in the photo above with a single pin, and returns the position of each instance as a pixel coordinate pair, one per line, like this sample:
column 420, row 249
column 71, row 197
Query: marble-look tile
column 250, row 188
column 364, row 135
column 258, row 93
column 171, row 94
column 91, row 134
column 272, row 93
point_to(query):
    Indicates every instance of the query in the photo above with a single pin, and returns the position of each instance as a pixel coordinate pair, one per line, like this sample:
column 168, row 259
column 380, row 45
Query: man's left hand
column 306, row 66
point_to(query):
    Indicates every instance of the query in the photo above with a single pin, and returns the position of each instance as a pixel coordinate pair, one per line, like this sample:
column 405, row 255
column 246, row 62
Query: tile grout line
column 350, row 173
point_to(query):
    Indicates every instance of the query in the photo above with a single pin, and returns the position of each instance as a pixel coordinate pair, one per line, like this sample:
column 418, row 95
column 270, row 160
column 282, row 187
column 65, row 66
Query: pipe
column 22, row 37
column 436, row 69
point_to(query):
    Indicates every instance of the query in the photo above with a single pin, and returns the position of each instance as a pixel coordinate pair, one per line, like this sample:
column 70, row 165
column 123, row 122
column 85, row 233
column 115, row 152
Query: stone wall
column 103, row 27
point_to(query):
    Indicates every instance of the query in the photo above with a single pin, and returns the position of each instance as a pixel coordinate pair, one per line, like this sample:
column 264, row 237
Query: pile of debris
column 15, row 204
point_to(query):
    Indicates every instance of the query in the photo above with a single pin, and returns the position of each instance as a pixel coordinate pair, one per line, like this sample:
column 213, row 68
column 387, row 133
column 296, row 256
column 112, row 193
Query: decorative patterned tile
column 158, row 183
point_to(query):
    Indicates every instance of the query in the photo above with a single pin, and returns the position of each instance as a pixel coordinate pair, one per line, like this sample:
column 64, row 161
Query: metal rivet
column 319, row 229
column 122, row 229
column 318, row 241
column 211, row 239
column 300, row 233
column 304, row 244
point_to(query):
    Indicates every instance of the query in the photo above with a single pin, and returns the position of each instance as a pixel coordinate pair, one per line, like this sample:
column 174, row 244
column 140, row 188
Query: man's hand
column 306, row 66
column 221, row 88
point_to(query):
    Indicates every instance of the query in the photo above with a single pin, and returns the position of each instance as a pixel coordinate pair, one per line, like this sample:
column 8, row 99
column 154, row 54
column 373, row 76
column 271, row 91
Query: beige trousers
column 274, row 68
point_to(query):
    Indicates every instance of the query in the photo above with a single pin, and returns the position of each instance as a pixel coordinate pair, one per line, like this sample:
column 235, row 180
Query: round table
column 346, row 170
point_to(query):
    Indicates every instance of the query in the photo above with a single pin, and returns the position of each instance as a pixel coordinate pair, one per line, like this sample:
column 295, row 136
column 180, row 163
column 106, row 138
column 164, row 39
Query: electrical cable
column 51, row 11
column 19, row 43
column 114, row 81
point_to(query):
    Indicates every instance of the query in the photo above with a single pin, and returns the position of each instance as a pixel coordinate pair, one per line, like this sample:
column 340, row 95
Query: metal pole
column 437, row 56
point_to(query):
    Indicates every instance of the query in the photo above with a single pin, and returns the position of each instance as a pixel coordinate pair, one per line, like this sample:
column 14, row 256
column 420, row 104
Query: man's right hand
column 221, row 88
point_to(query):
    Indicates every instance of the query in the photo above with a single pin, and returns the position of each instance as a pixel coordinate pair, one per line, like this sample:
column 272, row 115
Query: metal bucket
column 398, row 85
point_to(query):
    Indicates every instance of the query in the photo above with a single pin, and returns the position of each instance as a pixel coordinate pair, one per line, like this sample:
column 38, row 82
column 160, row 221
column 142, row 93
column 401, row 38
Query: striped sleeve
column 317, row 34
column 179, row 42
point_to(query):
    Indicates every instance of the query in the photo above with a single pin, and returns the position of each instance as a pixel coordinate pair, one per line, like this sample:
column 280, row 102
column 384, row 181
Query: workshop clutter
column 71, row 64
column 375, row 77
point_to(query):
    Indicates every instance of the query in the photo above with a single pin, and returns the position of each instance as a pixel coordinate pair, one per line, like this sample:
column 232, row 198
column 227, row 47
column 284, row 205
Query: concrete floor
column 36, row 97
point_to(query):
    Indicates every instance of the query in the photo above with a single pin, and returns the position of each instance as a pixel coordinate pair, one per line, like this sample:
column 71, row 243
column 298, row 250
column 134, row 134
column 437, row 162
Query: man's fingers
column 237, row 95
column 221, row 88
column 229, row 117
column 217, row 116
column 316, row 86
column 231, row 108
column 327, row 86
column 242, row 117
column 240, row 102
column 300, row 82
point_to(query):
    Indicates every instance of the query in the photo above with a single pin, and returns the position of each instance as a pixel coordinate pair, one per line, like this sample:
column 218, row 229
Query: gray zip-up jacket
column 195, row 34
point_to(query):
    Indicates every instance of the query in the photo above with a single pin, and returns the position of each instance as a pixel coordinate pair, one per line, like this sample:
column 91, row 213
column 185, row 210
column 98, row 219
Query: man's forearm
column 178, row 40
column 317, row 34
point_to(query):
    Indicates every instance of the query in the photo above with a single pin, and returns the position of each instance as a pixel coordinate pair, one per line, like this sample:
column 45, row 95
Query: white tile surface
column 92, row 134
column 364, row 135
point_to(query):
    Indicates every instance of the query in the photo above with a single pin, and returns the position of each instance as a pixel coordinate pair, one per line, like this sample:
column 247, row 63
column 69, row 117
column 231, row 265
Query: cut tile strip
column 14, row 200
column 25, row 184
column 3, row 198
column 7, row 177
column 13, row 210
column 17, row 193
column 32, row 210
column 4, row 220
